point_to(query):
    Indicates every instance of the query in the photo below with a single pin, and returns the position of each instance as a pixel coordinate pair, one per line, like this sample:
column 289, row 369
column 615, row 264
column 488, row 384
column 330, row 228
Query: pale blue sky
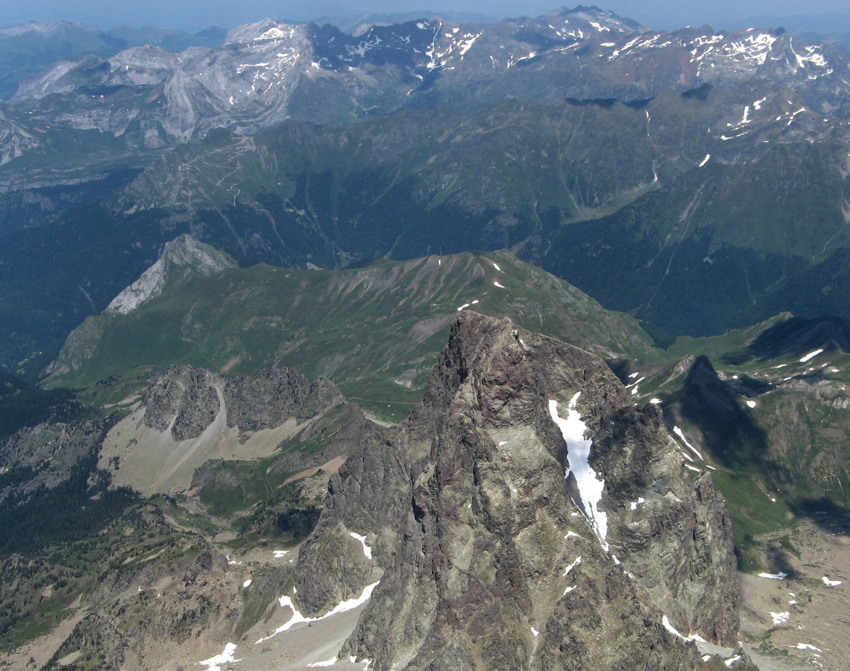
column 193, row 15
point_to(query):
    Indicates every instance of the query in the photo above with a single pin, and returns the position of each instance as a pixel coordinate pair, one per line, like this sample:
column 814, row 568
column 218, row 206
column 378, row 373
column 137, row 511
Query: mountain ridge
column 342, row 324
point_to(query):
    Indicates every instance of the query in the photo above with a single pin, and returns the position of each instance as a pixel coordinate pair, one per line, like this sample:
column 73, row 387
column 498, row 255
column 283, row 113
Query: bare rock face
column 188, row 399
column 184, row 398
column 270, row 398
column 486, row 556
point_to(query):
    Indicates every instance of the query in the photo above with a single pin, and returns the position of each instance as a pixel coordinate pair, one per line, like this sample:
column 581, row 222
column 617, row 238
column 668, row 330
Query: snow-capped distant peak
column 261, row 31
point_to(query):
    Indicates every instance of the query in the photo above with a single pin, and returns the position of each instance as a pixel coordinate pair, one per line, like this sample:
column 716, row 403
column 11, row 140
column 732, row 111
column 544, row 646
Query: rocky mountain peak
column 183, row 254
column 703, row 383
column 262, row 31
column 602, row 20
column 483, row 555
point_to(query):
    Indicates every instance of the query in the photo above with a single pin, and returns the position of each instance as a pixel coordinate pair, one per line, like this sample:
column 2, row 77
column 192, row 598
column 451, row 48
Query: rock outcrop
column 270, row 398
column 187, row 399
column 488, row 557
column 189, row 416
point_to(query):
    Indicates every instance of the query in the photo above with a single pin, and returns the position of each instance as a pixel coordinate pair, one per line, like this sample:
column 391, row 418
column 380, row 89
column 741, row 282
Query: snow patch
column 568, row 590
column 774, row 576
column 751, row 404
column 226, row 657
column 578, row 451
column 780, row 618
column 498, row 285
column 791, row 119
column 634, row 504
column 247, row 583
column 276, row 33
column 733, row 660
column 466, row 44
column 572, row 566
column 831, row 583
column 635, row 383
column 297, row 617
column 705, row 160
column 655, row 401
column 669, row 627
column 806, row 646
column 280, row 554
column 752, row 47
column 535, row 632
column 327, row 662
column 362, row 540
column 811, row 355
column 681, row 435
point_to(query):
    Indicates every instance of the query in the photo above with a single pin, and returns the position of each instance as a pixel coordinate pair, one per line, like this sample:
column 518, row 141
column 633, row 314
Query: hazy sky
column 194, row 15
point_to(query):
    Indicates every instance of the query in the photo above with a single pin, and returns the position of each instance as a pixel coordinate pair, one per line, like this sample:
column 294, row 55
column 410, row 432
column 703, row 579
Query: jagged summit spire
column 484, row 552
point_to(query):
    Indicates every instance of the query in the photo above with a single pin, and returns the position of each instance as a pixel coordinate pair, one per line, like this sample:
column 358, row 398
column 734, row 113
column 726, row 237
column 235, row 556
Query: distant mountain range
column 693, row 178
column 28, row 48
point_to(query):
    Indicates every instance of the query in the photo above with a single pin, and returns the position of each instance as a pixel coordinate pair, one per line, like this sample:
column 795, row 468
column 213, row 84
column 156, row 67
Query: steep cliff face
column 486, row 556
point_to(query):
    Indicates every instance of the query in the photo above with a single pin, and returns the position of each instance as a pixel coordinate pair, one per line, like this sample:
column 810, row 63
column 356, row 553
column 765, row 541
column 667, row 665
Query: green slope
column 375, row 330
column 644, row 206
column 768, row 409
